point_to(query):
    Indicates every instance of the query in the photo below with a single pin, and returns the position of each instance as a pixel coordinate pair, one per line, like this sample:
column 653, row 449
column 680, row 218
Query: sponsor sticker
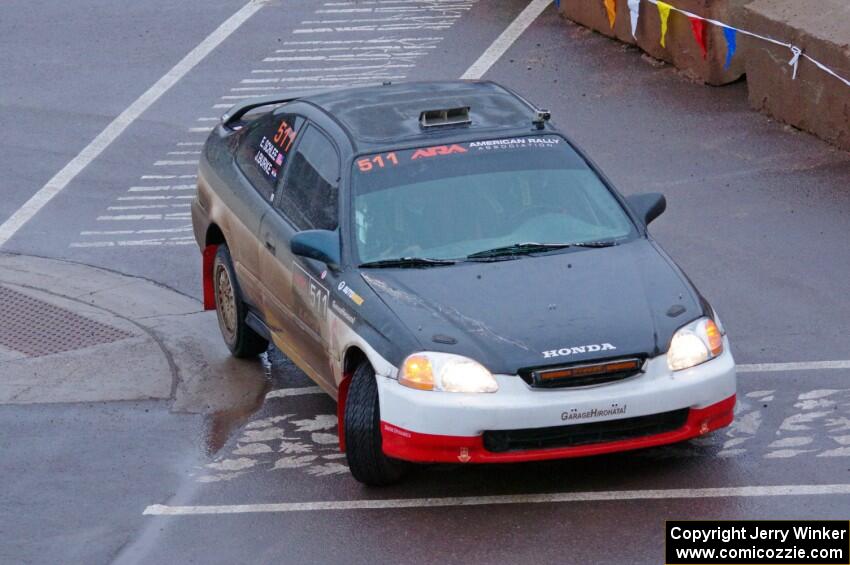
column 346, row 290
column 574, row 414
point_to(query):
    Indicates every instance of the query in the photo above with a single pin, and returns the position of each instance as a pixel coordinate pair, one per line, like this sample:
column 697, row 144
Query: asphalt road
column 758, row 217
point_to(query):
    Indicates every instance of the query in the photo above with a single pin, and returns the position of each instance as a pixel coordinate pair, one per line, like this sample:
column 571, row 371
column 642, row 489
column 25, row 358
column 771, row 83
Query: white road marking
column 190, row 143
column 283, row 392
column 324, row 80
column 132, row 232
column 801, row 366
column 550, row 498
column 204, row 129
column 161, row 177
column 184, row 153
column 143, row 217
column 239, row 97
column 168, row 163
column 506, row 39
column 148, row 206
column 329, row 69
column 161, row 187
column 133, row 243
column 131, row 198
column 115, row 128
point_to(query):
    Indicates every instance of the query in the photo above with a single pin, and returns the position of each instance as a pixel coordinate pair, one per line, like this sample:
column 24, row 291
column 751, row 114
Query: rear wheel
column 363, row 449
column 231, row 310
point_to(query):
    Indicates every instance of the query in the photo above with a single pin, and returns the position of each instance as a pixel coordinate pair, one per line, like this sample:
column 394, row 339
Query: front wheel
column 231, row 310
column 363, row 449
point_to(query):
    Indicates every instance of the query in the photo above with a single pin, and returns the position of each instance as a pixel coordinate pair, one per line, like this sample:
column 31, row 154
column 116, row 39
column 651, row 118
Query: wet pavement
column 757, row 216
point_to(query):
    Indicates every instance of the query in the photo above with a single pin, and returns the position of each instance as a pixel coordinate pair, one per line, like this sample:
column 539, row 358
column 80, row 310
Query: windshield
column 451, row 201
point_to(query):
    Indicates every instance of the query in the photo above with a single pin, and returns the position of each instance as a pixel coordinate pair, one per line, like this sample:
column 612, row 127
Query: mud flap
column 342, row 396
column 207, row 276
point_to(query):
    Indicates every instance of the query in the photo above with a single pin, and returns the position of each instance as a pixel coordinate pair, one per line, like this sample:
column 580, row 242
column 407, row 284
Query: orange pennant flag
column 664, row 14
column 611, row 8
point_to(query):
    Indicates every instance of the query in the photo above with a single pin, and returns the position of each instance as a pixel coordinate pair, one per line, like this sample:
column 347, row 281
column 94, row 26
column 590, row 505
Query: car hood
column 580, row 305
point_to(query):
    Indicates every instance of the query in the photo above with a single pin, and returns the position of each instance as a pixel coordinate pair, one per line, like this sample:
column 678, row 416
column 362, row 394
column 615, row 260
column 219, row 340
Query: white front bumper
column 516, row 405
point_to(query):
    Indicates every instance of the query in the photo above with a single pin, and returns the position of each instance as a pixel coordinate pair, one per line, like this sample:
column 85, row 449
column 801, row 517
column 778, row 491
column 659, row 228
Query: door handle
column 270, row 246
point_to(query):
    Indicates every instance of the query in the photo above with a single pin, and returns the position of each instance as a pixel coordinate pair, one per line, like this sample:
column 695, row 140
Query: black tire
column 366, row 458
column 231, row 310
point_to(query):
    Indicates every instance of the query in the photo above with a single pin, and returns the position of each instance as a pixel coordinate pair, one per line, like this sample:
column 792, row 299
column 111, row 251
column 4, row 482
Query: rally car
column 449, row 266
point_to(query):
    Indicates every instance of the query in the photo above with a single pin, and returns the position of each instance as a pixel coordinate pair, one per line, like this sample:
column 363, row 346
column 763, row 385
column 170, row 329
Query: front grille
column 500, row 441
column 582, row 374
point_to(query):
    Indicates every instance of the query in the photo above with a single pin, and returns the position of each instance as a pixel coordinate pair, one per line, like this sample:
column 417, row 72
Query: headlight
column 693, row 344
column 445, row 372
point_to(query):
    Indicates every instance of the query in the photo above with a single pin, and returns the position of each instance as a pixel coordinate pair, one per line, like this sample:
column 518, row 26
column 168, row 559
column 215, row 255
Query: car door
column 295, row 293
column 259, row 169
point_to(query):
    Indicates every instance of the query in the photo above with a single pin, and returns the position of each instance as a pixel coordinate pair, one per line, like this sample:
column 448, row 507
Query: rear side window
column 264, row 149
column 309, row 194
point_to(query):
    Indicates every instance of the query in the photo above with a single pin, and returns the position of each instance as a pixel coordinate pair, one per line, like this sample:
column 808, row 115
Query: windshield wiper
column 517, row 249
column 404, row 262
column 609, row 243
column 531, row 247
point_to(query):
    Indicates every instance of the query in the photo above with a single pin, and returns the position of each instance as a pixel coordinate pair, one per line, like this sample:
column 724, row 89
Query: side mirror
column 321, row 245
column 647, row 206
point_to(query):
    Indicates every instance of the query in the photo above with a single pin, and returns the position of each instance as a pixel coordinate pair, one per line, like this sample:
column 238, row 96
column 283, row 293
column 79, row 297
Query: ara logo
column 438, row 150
column 592, row 348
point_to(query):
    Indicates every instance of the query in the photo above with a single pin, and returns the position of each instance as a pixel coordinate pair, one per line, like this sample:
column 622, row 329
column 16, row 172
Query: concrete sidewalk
column 74, row 333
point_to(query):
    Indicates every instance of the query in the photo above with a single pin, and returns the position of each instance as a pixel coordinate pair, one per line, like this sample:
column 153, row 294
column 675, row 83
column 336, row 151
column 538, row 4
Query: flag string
column 796, row 52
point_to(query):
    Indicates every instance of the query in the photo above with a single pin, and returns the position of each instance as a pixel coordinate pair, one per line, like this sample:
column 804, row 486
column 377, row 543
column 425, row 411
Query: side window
column 309, row 193
column 264, row 148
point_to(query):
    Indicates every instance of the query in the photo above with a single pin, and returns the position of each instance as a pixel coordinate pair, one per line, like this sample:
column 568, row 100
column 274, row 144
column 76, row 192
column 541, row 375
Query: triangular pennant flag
column 664, row 14
column 611, row 8
column 698, row 27
column 634, row 11
column 731, row 44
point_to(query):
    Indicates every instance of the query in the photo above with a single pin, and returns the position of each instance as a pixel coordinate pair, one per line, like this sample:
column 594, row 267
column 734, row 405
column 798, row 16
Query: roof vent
column 448, row 117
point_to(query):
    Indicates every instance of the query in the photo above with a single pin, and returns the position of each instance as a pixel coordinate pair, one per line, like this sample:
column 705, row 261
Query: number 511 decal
column 380, row 161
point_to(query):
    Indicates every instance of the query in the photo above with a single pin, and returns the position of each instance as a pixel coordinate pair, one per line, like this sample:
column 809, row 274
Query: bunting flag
column 730, row 34
column 611, row 8
column 634, row 12
column 664, row 14
column 698, row 27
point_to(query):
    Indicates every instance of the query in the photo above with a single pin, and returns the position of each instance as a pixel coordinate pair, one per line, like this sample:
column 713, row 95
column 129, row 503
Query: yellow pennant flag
column 664, row 14
column 611, row 8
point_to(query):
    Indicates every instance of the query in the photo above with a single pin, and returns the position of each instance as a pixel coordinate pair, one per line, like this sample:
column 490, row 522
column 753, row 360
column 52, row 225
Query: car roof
column 376, row 116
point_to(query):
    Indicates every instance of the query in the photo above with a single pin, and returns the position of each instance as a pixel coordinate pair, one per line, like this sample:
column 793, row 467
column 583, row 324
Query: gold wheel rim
column 226, row 301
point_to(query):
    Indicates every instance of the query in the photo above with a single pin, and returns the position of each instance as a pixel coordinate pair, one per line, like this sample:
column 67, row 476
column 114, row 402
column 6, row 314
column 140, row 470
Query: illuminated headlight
column 695, row 343
column 445, row 372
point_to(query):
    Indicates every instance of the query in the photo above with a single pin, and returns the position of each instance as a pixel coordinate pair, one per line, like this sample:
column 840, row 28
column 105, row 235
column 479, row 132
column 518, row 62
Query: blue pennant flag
column 731, row 44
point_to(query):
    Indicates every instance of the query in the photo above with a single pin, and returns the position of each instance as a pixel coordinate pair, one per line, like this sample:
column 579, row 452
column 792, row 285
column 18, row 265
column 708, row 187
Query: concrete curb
column 169, row 347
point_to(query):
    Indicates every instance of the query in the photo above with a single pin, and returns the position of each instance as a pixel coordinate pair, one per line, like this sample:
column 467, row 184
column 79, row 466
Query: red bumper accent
column 207, row 274
column 426, row 448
